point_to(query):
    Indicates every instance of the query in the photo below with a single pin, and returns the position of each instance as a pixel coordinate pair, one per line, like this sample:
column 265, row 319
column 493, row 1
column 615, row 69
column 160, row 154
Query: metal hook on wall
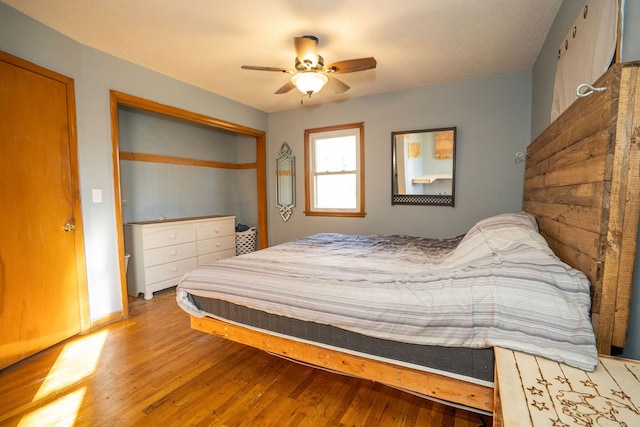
column 585, row 89
column 520, row 157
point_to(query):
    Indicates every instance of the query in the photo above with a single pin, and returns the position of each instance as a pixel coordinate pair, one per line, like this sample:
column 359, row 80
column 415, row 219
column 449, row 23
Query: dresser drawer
column 167, row 271
column 167, row 254
column 168, row 236
column 217, row 244
column 158, row 286
column 216, row 256
column 213, row 229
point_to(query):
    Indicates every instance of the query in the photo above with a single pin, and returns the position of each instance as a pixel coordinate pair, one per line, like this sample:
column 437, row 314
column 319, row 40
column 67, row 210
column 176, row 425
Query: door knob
column 69, row 227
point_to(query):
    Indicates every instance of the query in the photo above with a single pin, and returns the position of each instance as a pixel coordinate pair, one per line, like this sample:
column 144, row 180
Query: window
column 334, row 173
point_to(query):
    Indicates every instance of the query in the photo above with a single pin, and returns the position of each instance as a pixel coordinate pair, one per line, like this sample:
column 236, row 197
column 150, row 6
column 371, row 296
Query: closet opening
column 172, row 163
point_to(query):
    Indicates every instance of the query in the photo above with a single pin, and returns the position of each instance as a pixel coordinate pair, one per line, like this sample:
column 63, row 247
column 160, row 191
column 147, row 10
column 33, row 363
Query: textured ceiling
column 204, row 42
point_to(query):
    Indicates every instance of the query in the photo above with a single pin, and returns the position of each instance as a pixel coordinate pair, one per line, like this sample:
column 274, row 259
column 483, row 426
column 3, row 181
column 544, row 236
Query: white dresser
column 162, row 251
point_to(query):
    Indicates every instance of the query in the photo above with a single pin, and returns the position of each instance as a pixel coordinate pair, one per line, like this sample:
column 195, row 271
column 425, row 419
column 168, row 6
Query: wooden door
column 43, row 295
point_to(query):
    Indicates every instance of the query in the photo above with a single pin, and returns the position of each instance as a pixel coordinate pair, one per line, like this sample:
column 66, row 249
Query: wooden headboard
column 582, row 183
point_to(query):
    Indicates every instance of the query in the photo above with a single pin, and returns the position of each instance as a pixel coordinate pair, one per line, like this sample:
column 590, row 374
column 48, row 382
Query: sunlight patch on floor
column 61, row 412
column 77, row 360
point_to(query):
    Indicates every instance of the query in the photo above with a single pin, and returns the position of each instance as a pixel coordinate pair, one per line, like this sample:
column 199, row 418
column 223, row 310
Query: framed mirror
column 423, row 167
column 286, row 181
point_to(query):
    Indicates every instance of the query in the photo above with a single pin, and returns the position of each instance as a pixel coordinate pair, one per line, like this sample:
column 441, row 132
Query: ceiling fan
column 310, row 74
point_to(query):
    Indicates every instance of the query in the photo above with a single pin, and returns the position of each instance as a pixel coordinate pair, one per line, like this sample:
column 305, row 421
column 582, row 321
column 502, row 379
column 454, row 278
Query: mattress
column 473, row 365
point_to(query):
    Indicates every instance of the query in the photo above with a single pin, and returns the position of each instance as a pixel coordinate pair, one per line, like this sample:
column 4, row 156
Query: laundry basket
column 246, row 241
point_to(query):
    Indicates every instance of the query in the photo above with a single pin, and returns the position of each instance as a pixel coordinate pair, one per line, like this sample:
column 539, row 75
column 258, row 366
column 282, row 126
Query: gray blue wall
column 492, row 116
column 631, row 31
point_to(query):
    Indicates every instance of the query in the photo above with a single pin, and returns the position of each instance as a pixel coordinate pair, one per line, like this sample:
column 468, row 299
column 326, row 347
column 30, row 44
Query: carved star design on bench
column 535, row 392
column 589, row 383
column 541, row 406
column 558, row 423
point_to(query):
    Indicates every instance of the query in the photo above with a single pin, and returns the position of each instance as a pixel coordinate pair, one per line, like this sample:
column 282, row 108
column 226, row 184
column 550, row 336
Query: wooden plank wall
column 582, row 183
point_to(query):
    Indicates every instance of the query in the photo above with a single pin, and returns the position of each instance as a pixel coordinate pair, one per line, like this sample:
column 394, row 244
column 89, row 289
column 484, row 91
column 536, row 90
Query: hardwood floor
column 152, row 369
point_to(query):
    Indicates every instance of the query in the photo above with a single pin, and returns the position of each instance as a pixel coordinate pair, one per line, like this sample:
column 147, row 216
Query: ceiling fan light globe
column 310, row 82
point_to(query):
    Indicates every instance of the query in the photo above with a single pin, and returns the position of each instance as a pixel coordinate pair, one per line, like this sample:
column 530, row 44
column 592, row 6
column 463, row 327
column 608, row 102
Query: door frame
column 76, row 206
column 122, row 99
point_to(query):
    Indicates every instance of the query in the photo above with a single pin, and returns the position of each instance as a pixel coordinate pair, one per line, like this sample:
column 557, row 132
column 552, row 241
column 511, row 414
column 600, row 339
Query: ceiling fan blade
column 307, row 49
column 336, row 86
column 258, row 68
column 286, row 88
column 351, row 65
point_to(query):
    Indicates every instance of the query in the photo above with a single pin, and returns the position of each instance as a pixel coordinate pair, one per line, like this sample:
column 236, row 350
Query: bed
column 580, row 222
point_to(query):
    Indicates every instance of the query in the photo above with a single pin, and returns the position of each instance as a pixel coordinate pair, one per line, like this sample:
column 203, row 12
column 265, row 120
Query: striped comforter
column 498, row 285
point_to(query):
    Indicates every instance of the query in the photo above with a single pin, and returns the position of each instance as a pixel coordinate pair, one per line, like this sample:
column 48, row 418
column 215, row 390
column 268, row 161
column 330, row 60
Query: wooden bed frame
column 581, row 183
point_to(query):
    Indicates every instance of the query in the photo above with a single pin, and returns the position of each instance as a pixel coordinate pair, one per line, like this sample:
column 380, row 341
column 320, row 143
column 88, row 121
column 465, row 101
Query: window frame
column 317, row 133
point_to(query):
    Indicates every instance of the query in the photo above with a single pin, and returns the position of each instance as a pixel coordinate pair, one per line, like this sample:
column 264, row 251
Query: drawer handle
column 173, row 253
column 218, row 244
column 172, row 237
column 174, row 269
column 217, row 230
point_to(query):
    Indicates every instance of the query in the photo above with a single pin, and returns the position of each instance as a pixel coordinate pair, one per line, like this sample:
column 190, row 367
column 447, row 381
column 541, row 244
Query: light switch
column 96, row 194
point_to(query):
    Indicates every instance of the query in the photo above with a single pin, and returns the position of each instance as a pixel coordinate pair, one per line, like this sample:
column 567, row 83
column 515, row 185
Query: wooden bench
column 532, row 391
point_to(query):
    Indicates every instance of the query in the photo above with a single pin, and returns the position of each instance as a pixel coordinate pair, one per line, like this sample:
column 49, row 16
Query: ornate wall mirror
column 286, row 181
column 423, row 167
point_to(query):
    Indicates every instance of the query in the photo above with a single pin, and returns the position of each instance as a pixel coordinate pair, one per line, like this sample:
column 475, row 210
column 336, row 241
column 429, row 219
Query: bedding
column 498, row 285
